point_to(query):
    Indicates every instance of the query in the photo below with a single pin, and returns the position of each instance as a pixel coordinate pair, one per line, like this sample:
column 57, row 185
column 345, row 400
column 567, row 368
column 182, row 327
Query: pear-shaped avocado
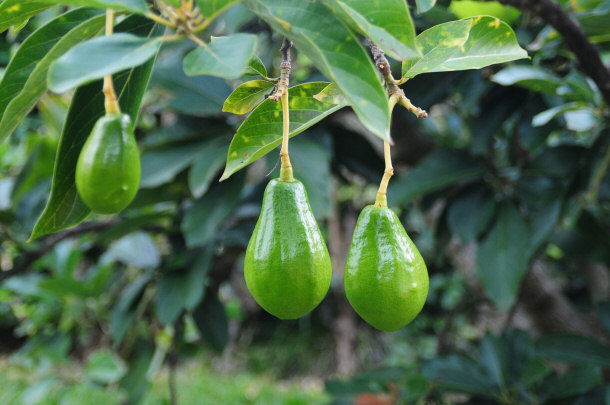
column 108, row 168
column 386, row 280
column 287, row 265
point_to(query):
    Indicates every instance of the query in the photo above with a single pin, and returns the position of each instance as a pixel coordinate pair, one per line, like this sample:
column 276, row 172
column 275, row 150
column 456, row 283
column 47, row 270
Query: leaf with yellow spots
column 262, row 131
column 386, row 22
column 470, row 43
column 247, row 96
column 15, row 12
column 337, row 53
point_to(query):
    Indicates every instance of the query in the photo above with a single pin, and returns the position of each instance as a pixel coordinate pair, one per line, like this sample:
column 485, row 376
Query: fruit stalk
column 286, row 168
column 281, row 93
column 110, row 99
column 382, row 200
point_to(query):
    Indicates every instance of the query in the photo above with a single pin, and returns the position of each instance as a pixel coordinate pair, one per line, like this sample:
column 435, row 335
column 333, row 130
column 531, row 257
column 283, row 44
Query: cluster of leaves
column 508, row 369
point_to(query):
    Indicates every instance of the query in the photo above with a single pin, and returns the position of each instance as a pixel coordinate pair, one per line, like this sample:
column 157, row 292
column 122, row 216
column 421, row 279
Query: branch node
column 285, row 68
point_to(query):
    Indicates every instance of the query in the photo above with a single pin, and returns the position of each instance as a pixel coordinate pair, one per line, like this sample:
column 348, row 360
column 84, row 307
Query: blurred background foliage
column 504, row 189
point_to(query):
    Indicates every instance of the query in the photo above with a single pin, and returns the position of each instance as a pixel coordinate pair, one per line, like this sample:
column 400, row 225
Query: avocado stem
column 286, row 168
column 110, row 99
column 382, row 200
column 281, row 93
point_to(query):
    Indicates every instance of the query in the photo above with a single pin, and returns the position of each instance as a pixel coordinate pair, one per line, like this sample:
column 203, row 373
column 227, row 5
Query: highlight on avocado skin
column 108, row 168
column 386, row 280
column 287, row 265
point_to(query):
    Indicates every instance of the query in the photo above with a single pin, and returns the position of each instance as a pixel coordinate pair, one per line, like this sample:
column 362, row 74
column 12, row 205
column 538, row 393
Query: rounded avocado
column 287, row 265
column 108, row 168
column 386, row 280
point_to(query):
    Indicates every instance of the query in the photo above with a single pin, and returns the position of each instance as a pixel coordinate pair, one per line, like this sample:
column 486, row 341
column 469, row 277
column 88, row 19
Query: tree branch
column 587, row 54
column 48, row 243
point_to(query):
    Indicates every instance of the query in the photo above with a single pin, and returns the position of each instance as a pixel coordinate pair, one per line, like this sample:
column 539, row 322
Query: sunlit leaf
column 335, row 51
column 262, row 131
column 471, row 43
column 247, row 96
column 386, row 22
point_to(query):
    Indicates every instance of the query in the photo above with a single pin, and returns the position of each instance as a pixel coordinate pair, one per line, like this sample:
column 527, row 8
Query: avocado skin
column 108, row 168
column 287, row 265
column 386, row 280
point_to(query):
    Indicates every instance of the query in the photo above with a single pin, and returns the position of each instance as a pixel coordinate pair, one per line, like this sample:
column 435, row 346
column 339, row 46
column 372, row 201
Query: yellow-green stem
column 110, row 99
column 382, row 199
column 286, row 168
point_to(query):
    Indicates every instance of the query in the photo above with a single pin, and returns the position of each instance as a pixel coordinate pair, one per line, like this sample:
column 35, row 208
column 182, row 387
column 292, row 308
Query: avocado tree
column 506, row 193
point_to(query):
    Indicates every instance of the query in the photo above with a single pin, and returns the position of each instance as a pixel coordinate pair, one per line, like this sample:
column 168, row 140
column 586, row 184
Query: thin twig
column 48, row 243
column 392, row 85
column 285, row 68
column 587, row 54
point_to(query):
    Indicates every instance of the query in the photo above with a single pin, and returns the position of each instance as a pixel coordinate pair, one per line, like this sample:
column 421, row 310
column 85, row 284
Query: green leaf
column 335, row 51
column 262, row 131
column 123, row 311
column 257, row 65
column 25, row 80
column 206, row 166
column 180, row 290
column 470, row 213
column 212, row 322
column 136, row 249
column 573, row 349
column 437, row 170
column 161, row 165
column 424, row 5
column 493, row 359
column 471, row 43
column 533, row 371
column 576, row 381
column 546, row 116
column 225, row 57
column 311, row 161
column 134, row 6
column 211, row 8
column 15, row 12
column 386, row 22
column 501, row 256
column 530, row 77
column 104, row 367
column 247, row 96
column 33, row 49
column 99, row 57
column 64, row 207
column 217, row 204
column 460, row 374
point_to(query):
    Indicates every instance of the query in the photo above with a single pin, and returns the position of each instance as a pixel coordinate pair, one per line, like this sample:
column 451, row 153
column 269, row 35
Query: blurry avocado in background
column 468, row 8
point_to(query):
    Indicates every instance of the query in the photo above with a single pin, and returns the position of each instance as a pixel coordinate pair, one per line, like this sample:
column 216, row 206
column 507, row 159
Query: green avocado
column 386, row 280
column 287, row 266
column 108, row 168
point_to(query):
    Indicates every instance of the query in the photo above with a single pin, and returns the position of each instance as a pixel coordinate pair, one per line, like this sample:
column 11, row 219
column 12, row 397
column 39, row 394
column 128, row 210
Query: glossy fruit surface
column 386, row 280
column 287, row 266
column 108, row 167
